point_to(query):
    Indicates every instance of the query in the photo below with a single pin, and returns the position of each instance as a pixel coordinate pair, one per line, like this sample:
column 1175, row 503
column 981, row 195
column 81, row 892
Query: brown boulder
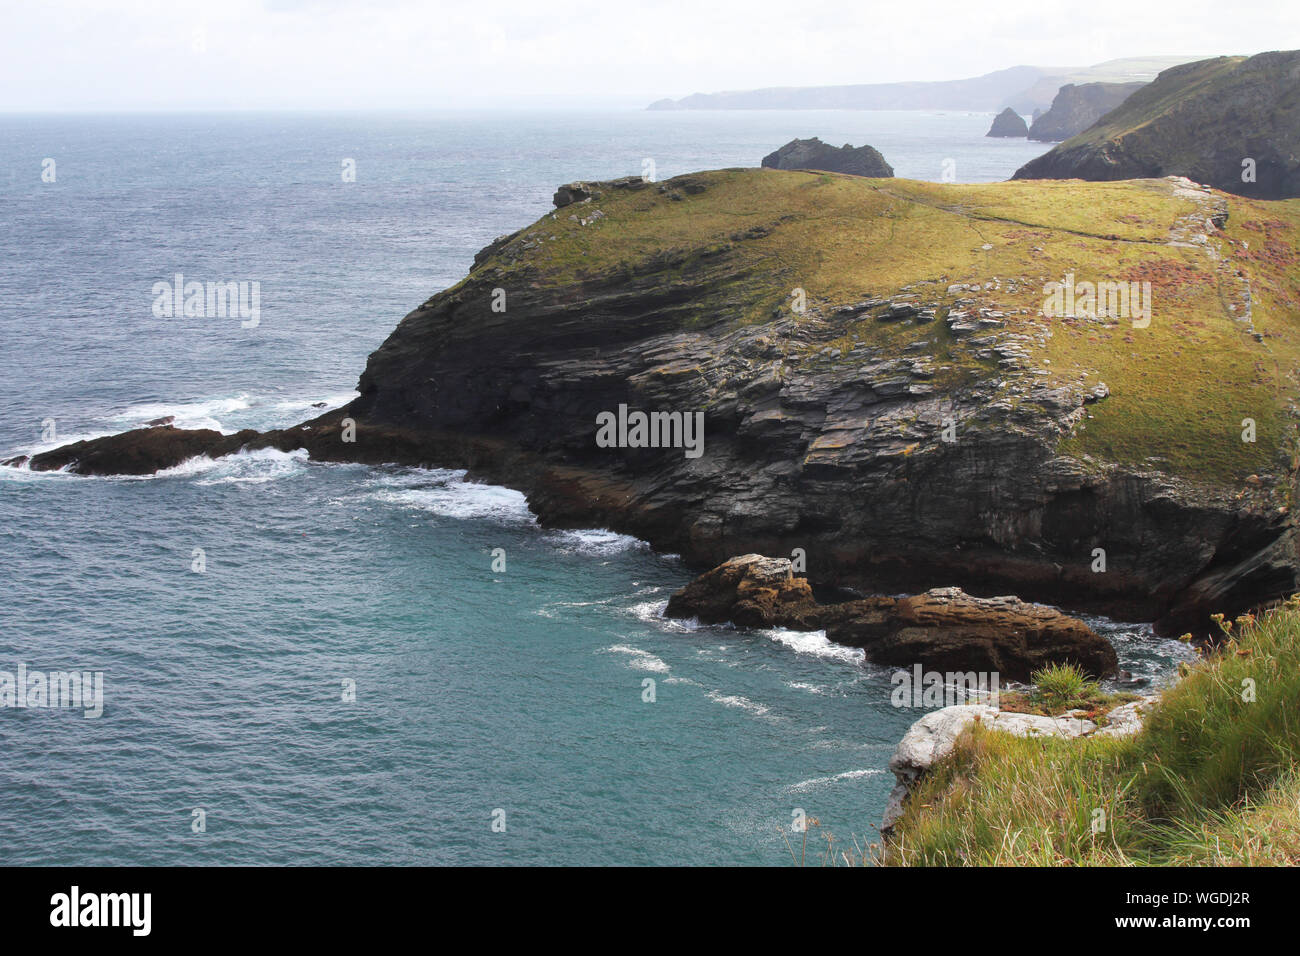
column 750, row 590
column 944, row 629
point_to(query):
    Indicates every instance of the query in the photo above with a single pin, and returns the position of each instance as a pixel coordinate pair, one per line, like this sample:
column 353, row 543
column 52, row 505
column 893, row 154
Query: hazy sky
column 336, row 54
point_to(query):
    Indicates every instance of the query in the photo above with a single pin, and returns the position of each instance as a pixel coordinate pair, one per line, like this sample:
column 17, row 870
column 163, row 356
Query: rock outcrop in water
column 943, row 629
column 814, row 154
column 878, row 380
column 1231, row 122
column 1078, row 107
column 1008, row 124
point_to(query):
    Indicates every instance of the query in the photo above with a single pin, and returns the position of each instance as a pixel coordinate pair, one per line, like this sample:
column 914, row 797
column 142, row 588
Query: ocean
column 309, row 663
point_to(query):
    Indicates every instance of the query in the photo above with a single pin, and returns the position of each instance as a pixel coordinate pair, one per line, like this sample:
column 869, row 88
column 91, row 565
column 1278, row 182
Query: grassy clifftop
column 1222, row 344
column 1212, row 779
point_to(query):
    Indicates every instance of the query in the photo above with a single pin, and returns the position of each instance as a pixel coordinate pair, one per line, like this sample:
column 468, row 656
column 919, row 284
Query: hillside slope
column 1203, row 120
column 1077, row 107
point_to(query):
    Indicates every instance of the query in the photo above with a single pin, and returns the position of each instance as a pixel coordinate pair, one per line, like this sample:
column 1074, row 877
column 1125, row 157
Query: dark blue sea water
column 482, row 696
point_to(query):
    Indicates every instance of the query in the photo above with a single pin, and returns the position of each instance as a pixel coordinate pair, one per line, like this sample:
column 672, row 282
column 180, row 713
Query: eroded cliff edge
column 881, row 383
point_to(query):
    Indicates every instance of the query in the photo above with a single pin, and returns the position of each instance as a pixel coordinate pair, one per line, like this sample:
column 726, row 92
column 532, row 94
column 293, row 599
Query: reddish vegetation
column 1171, row 281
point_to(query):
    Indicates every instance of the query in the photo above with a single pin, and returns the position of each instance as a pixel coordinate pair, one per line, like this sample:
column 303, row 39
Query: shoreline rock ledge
column 944, row 629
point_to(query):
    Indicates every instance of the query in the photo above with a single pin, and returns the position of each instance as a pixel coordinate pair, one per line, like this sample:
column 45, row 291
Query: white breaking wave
column 598, row 541
column 800, row 685
column 639, row 660
column 185, row 414
column 251, row 467
column 446, row 493
column 256, row 467
column 552, row 610
column 229, row 415
column 298, row 409
column 816, row 782
column 243, row 467
column 24, row 472
column 652, row 612
column 817, row 644
column 735, row 700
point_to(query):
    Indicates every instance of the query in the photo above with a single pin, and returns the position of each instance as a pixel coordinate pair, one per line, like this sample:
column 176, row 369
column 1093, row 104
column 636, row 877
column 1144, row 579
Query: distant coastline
column 1023, row 88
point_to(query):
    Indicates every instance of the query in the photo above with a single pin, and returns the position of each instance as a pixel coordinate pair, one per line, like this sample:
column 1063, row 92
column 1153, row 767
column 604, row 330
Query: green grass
column 1212, row 779
column 1062, row 686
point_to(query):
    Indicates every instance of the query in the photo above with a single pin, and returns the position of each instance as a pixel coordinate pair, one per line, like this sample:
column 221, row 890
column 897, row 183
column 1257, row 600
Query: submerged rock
column 814, row 154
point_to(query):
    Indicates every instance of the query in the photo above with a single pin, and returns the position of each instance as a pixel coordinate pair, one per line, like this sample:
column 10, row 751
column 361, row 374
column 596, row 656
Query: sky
column 439, row 54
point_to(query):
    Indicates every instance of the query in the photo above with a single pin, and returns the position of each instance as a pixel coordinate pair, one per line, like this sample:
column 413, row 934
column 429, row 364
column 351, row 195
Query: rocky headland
column 881, row 384
column 1076, row 108
column 1231, row 122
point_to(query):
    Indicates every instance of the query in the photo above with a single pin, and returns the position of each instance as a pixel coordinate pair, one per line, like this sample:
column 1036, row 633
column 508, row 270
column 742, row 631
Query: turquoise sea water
column 481, row 695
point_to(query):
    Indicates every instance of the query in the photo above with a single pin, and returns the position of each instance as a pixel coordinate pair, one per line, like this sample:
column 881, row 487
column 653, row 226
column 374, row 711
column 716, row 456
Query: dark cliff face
column 1231, row 122
column 1008, row 123
column 787, row 465
column 877, row 385
column 1077, row 107
column 814, row 154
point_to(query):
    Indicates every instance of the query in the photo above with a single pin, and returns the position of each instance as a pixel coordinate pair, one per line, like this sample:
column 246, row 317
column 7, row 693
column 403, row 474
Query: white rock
column 1125, row 721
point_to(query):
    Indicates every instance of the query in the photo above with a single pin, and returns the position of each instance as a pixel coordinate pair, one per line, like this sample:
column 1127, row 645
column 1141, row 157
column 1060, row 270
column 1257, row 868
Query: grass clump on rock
column 1060, row 688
